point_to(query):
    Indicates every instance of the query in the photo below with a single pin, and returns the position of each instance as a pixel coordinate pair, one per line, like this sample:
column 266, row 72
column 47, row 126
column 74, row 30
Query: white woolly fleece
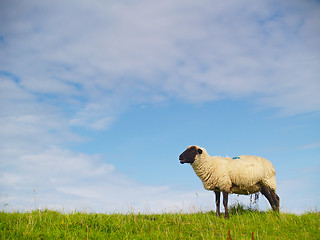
column 241, row 176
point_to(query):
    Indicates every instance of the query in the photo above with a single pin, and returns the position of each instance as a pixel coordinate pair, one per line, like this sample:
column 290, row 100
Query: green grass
column 242, row 223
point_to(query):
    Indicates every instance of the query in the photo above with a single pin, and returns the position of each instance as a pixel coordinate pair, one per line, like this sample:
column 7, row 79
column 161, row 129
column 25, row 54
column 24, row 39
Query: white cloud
column 65, row 180
column 27, row 124
column 93, row 116
column 132, row 52
column 37, row 173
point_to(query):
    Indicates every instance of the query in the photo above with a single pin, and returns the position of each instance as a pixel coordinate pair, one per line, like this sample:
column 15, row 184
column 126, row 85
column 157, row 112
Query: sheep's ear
column 200, row 151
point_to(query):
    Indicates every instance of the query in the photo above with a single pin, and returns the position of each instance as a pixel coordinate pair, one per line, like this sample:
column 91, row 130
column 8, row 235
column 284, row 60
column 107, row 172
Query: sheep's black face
column 189, row 155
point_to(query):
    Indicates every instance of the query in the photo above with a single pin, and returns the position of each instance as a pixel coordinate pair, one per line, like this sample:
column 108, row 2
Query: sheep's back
column 247, row 171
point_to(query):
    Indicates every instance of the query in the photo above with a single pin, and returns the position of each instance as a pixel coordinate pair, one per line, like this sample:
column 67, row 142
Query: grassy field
column 243, row 224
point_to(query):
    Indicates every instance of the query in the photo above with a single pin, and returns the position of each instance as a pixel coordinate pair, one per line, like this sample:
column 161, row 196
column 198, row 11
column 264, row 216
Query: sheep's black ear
column 200, row 151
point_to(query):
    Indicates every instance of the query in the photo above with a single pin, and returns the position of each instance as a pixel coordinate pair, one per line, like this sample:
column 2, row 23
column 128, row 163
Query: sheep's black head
column 189, row 155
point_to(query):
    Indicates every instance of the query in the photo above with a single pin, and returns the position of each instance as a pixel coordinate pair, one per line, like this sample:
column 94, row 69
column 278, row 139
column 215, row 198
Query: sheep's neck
column 207, row 176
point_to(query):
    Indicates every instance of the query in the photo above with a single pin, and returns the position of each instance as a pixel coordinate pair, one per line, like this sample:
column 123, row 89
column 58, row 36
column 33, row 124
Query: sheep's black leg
column 217, row 202
column 276, row 200
column 225, row 203
column 265, row 192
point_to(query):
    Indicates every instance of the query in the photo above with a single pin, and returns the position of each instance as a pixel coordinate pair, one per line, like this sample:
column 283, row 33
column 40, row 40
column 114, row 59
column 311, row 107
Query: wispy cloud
column 141, row 51
column 314, row 145
column 65, row 180
column 93, row 116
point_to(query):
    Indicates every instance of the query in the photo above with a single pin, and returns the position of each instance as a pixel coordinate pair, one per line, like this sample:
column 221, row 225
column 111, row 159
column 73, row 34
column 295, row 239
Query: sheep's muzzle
column 182, row 160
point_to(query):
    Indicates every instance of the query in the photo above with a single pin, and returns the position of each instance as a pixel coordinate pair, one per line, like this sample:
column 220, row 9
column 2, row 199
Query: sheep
column 240, row 175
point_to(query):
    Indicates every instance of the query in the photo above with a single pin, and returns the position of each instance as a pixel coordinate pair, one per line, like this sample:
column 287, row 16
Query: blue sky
column 99, row 98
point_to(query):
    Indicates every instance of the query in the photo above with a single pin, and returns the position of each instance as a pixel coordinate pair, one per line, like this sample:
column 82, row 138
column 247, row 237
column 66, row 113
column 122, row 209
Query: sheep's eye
column 200, row 151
